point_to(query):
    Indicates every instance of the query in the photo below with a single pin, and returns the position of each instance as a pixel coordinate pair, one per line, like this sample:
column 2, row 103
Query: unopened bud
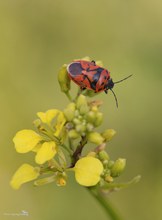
column 76, row 121
column 64, row 79
column 76, row 113
column 91, row 116
column 99, row 119
column 90, row 127
column 94, row 108
column 109, row 179
column 81, row 101
column 69, row 111
column 95, row 138
column 80, row 128
column 84, row 109
column 103, row 155
column 118, row 167
column 110, row 164
column 73, row 134
column 61, row 182
column 108, row 134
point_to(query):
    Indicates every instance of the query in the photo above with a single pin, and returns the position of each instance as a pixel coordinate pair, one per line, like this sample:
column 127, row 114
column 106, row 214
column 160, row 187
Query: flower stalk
column 110, row 211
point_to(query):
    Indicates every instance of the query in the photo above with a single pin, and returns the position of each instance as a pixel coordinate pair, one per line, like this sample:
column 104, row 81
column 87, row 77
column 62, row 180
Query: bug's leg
column 106, row 91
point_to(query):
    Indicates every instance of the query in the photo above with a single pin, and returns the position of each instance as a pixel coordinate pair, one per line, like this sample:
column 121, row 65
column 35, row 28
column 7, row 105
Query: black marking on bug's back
column 96, row 77
column 75, row 69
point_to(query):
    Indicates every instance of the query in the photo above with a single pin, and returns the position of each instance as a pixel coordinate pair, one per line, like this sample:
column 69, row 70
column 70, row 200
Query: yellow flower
column 59, row 123
column 88, row 171
column 48, row 116
column 24, row 174
column 46, row 152
column 26, row 140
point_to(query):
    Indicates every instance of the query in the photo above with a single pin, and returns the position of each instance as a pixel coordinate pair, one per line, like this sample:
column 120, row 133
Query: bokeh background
column 36, row 38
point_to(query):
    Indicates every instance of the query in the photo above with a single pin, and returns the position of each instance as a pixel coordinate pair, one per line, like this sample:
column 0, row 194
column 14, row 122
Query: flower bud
column 95, row 138
column 73, row 134
column 99, row 119
column 90, row 127
column 103, row 155
column 118, row 167
column 69, row 111
column 91, row 117
column 76, row 121
column 61, row 182
column 80, row 128
column 108, row 134
column 76, row 113
column 110, row 164
column 109, row 179
column 94, row 108
column 64, row 79
column 84, row 109
column 81, row 101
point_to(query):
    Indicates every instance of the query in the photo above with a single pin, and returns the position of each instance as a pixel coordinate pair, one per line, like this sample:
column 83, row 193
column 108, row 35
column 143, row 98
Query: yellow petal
column 46, row 152
column 24, row 174
column 26, row 140
column 59, row 124
column 48, row 116
column 88, row 171
column 37, row 148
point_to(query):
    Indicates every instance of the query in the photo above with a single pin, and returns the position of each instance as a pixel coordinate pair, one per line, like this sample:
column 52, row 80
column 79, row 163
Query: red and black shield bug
column 90, row 76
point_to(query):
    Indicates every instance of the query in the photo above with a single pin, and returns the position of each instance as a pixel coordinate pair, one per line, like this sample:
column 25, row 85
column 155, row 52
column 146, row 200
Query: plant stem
column 107, row 206
column 68, row 95
column 77, row 153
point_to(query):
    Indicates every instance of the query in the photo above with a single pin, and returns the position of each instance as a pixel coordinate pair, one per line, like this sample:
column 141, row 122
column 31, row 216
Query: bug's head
column 110, row 84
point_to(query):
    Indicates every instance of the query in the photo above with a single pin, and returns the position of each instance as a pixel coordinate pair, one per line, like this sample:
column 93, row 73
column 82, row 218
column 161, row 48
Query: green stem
column 68, row 95
column 107, row 206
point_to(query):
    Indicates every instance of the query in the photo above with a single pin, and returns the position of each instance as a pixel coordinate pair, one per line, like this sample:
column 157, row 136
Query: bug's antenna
column 115, row 97
column 123, row 79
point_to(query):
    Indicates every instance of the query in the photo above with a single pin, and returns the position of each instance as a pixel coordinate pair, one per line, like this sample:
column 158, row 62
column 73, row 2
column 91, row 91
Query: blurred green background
column 36, row 38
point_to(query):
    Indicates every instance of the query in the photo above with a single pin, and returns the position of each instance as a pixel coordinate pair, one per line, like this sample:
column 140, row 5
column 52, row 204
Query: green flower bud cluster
column 82, row 118
column 112, row 169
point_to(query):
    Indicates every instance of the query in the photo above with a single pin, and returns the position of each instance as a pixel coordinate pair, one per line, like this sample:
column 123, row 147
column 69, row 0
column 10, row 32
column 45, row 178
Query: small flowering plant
column 58, row 142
